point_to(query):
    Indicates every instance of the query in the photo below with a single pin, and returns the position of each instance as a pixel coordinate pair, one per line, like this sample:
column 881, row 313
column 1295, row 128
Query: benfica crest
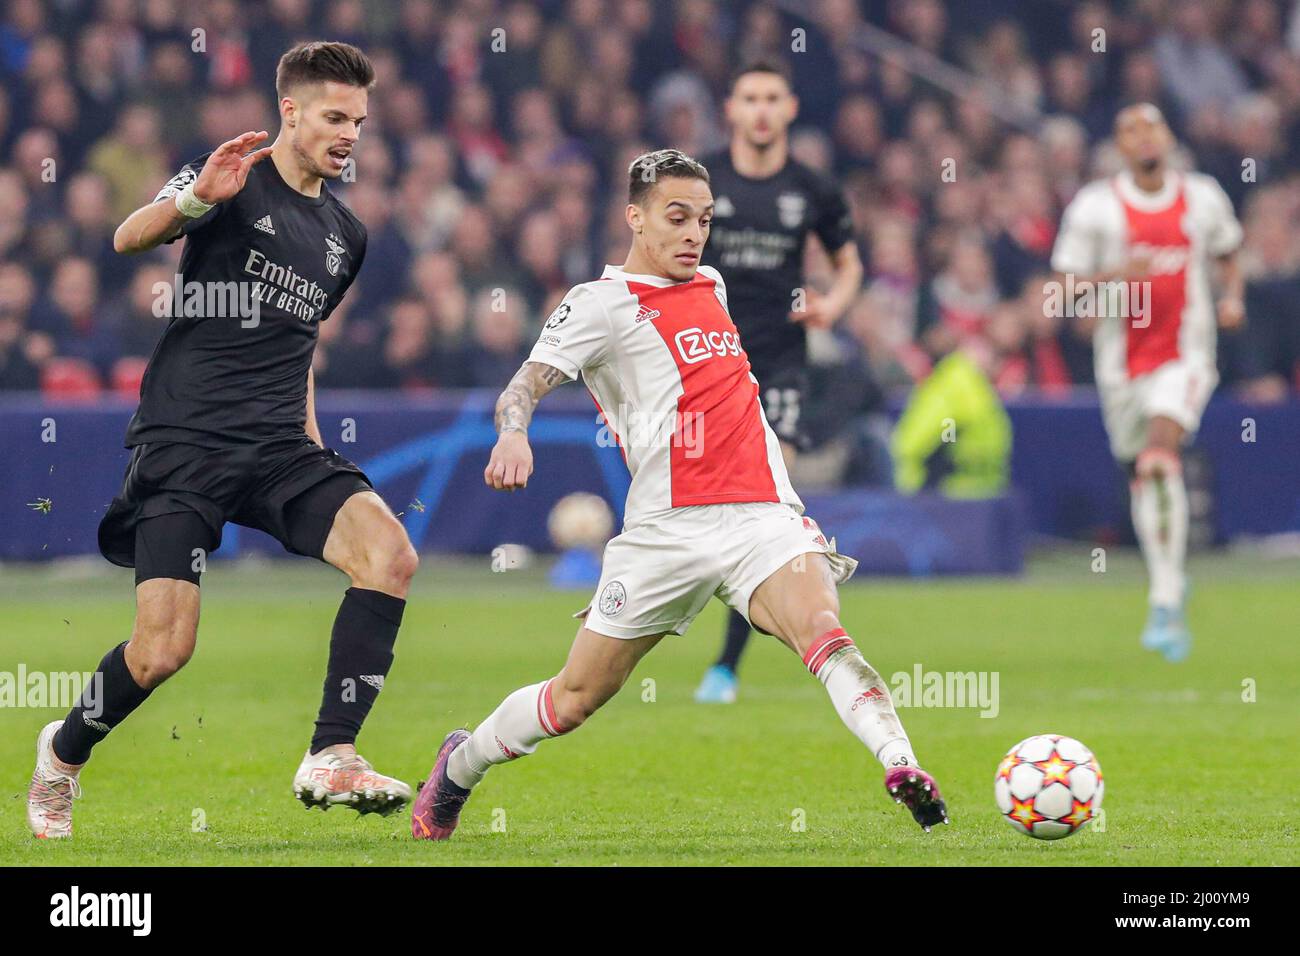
column 790, row 209
column 334, row 254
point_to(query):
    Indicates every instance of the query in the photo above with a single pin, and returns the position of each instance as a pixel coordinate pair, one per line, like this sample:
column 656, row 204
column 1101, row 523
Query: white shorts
column 1179, row 390
column 657, row 577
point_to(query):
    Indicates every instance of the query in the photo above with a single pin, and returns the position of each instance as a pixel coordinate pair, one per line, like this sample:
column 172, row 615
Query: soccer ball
column 580, row 520
column 1048, row 786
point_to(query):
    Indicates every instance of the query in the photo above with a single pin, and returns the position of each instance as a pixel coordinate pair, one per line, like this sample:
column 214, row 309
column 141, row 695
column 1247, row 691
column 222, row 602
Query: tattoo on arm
column 515, row 405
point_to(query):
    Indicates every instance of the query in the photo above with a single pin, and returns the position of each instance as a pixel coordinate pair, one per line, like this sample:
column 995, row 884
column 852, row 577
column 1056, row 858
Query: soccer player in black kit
column 226, row 431
column 767, row 206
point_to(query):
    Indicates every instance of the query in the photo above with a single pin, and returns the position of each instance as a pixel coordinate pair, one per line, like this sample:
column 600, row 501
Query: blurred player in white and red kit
column 710, row 511
column 1158, row 231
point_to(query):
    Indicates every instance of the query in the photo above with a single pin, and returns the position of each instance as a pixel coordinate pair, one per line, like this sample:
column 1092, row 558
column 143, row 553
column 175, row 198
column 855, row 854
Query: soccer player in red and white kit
column 1157, row 231
column 710, row 511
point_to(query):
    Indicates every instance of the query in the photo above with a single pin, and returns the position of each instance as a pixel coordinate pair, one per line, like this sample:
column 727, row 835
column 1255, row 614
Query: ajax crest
column 613, row 598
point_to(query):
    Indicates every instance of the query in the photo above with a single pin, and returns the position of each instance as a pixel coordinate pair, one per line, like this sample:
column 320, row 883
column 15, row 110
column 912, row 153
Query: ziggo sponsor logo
column 696, row 345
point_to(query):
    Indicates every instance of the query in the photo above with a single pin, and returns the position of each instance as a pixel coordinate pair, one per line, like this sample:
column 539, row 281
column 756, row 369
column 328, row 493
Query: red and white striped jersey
column 664, row 364
column 1179, row 230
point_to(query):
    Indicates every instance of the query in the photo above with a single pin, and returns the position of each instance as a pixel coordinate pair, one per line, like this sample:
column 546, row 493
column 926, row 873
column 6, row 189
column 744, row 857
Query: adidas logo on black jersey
column 265, row 225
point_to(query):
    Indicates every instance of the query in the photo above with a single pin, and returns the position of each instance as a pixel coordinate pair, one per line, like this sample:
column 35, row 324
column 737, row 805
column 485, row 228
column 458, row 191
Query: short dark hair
column 763, row 65
column 318, row 61
column 648, row 168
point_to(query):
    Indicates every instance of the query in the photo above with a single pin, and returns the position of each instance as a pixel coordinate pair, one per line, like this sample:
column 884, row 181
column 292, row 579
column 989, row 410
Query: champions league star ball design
column 1048, row 786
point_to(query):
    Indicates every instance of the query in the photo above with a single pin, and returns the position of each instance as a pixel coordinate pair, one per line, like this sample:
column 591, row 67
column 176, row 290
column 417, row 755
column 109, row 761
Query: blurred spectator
column 131, row 160
column 539, row 251
column 23, row 350
column 472, row 127
column 1194, row 67
column 954, row 434
column 1262, row 361
column 408, row 352
column 23, row 23
column 133, row 319
column 18, row 372
column 69, row 314
column 172, row 91
column 497, row 318
column 349, row 353
column 1060, row 351
column 88, row 226
column 13, row 213
column 957, row 303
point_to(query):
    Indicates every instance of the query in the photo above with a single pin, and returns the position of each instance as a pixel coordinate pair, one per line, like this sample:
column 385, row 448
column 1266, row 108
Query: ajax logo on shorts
column 810, row 525
column 695, row 345
column 613, row 599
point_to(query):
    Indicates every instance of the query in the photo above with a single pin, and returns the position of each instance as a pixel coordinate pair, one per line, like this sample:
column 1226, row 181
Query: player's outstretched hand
column 1137, row 267
column 226, row 170
column 1232, row 313
column 814, row 314
column 511, row 463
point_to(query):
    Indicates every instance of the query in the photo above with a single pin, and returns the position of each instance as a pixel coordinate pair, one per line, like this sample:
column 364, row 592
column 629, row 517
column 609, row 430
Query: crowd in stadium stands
column 491, row 181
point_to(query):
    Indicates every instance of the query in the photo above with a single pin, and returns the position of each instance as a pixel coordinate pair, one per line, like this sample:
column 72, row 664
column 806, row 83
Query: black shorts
column 176, row 499
column 786, row 395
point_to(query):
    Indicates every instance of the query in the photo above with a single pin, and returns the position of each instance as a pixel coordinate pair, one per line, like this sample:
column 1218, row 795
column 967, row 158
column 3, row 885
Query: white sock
column 1160, row 518
column 515, row 728
column 860, row 697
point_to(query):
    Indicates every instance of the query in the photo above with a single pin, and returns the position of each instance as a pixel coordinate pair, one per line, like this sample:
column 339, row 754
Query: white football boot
column 50, row 796
column 331, row 779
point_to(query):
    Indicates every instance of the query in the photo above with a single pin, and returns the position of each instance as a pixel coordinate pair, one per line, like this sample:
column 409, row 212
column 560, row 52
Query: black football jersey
column 257, row 274
column 757, row 240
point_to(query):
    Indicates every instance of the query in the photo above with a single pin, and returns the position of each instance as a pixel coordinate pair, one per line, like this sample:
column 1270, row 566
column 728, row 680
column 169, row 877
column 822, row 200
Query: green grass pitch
column 1195, row 775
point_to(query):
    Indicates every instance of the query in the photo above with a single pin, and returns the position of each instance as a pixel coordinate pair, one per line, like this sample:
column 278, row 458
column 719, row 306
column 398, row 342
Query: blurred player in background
column 767, row 207
column 226, row 431
column 1156, row 231
column 710, row 511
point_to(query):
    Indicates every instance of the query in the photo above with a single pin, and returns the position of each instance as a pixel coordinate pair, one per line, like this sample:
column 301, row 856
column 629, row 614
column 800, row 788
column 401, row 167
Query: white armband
column 190, row 205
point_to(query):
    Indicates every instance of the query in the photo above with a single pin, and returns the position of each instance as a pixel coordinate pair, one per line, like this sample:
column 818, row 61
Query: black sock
column 361, row 652
column 737, row 638
column 105, row 702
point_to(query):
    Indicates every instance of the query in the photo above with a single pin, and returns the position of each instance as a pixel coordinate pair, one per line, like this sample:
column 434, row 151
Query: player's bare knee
column 410, row 561
column 398, row 561
column 162, row 663
column 153, row 655
column 573, row 709
column 574, row 704
column 818, row 622
column 386, row 563
column 1158, row 462
column 1163, row 452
